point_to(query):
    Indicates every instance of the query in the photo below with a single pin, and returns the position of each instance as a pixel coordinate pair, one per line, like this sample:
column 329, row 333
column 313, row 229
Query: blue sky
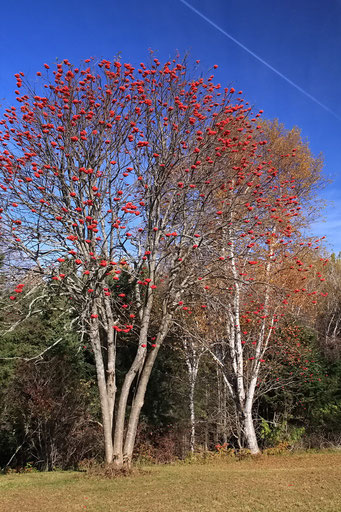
column 301, row 39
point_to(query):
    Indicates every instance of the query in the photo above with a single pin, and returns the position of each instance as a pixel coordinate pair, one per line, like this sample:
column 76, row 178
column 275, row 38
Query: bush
column 46, row 420
column 280, row 435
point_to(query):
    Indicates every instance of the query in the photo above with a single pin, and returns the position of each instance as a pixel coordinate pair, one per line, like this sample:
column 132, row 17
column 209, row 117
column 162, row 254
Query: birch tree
column 258, row 268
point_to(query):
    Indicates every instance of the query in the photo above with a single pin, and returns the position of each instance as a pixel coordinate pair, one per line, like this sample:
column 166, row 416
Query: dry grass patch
column 307, row 482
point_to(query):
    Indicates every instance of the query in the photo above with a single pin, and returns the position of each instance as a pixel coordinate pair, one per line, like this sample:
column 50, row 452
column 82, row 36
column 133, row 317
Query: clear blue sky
column 301, row 39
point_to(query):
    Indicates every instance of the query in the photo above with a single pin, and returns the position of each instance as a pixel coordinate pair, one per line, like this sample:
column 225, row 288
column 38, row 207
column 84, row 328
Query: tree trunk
column 102, row 388
column 249, row 431
column 192, row 414
column 122, row 407
column 136, row 366
column 224, row 410
column 193, row 355
column 137, row 406
column 111, row 362
column 140, row 394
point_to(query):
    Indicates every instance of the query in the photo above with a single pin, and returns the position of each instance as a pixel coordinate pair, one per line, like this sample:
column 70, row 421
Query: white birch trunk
column 192, row 415
column 249, row 432
column 193, row 354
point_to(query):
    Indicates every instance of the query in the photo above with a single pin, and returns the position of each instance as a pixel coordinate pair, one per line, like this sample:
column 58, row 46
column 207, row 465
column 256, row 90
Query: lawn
column 300, row 482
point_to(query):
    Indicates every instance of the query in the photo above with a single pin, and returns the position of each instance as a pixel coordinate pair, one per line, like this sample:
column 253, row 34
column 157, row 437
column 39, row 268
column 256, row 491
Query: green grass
column 305, row 482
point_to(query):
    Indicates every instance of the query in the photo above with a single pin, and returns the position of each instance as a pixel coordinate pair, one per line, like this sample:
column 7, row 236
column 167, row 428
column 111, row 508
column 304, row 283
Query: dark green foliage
column 48, row 403
column 47, row 418
column 307, row 398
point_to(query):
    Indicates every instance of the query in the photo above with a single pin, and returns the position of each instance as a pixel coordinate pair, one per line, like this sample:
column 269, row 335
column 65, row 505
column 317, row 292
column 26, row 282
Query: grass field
column 307, row 482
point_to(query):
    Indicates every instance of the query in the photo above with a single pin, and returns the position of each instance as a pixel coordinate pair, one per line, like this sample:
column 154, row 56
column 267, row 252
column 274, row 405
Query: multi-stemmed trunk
column 137, row 406
column 125, row 434
column 119, row 432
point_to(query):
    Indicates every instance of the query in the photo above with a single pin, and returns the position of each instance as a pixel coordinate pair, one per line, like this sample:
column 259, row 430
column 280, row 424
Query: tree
column 259, row 266
column 109, row 179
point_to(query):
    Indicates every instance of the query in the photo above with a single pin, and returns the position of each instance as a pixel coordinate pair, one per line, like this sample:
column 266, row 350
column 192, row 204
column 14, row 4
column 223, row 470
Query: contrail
column 315, row 100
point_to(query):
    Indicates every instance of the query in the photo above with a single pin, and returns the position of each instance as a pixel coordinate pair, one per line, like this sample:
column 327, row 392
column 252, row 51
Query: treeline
column 50, row 412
